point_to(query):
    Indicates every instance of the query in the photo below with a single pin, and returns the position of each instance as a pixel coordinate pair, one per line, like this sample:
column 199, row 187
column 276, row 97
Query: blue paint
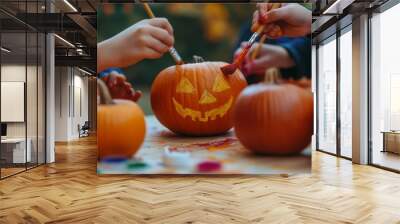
column 114, row 160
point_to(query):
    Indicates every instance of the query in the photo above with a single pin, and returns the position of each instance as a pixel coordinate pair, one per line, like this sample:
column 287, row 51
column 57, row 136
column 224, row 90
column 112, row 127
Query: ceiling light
column 5, row 50
column 337, row 7
column 65, row 41
column 84, row 71
column 70, row 5
column 79, row 51
column 333, row 6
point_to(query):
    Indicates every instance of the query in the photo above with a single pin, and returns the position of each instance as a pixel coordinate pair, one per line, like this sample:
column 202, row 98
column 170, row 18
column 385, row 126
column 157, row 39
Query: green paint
column 136, row 165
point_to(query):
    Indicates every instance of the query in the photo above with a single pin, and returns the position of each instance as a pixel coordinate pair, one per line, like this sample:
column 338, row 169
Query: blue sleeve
column 299, row 50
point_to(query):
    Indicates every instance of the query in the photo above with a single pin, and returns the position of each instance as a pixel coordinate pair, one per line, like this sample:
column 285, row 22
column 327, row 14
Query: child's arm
column 292, row 20
column 149, row 38
column 269, row 56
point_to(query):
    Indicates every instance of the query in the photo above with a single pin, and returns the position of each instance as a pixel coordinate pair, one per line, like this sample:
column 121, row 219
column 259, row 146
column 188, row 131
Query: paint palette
column 166, row 153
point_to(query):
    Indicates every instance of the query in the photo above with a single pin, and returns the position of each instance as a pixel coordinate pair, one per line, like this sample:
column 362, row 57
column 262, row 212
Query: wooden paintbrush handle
column 256, row 51
column 172, row 51
column 260, row 29
column 148, row 10
column 263, row 37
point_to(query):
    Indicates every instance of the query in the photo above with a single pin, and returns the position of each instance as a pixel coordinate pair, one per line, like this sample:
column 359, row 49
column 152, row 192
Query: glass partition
column 31, row 97
column 13, row 105
column 22, row 92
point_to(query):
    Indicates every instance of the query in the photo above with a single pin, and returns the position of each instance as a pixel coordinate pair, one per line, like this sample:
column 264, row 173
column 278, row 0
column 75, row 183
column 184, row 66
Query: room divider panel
column 22, row 77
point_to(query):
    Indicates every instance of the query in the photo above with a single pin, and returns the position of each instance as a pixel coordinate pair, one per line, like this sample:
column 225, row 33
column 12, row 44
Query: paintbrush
column 256, row 51
column 172, row 51
column 231, row 68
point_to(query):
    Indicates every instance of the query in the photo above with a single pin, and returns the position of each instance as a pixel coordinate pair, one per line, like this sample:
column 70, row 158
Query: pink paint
column 209, row 166
column 213, row 145
column 223, row 143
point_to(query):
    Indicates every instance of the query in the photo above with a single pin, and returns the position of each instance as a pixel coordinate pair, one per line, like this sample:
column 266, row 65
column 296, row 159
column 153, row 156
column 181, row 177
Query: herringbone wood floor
column 69, row 191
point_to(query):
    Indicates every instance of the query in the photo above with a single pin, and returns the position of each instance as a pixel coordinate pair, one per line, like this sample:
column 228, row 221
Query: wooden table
column 391, row 141
column 235, row 159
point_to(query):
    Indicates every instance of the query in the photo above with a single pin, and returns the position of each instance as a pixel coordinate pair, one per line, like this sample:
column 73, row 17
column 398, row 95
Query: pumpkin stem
column 271, row 76
column 197, row 59
column 105, row 96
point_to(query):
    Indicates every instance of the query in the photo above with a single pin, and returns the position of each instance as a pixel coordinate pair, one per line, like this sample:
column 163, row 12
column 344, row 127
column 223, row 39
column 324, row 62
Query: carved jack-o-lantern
column 196, row 99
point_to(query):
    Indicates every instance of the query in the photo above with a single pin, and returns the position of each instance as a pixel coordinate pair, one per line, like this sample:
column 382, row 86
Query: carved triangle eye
column 184, row 86
column 220, row 84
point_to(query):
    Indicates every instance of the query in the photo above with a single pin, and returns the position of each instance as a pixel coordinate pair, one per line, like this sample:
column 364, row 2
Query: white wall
column 80, row 110
column 71, row 102
column 15, row 73
column 33, row 127
column 62, row 81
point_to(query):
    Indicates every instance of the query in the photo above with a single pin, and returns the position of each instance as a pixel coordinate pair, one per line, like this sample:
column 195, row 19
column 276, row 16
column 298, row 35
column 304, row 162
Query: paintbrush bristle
column 229, row 69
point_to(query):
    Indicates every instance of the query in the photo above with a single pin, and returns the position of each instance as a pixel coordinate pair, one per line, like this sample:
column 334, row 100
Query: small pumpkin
column 197, row 98
column 121, row 125
column 275, row 119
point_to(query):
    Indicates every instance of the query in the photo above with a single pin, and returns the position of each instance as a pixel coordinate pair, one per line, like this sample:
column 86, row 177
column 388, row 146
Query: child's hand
column 292, row 20
column 147, row 39
column 119, row 88
column 269, row 56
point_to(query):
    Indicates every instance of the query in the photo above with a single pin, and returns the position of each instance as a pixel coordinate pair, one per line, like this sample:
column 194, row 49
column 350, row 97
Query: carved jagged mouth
column 196, row 115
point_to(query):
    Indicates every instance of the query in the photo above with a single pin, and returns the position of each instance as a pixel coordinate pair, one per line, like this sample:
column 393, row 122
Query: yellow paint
column 184, row 86
column 196, row 115
column 207, row 98
column 220, row 84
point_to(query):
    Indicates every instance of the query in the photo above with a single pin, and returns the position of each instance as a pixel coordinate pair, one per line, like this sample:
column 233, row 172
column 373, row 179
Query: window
column 346, row 75
column 385, row 89
column 327, row 96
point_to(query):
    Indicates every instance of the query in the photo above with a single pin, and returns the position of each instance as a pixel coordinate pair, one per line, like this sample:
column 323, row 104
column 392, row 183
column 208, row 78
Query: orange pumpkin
column 196, row 99
column 274, row 118
column 120, row 126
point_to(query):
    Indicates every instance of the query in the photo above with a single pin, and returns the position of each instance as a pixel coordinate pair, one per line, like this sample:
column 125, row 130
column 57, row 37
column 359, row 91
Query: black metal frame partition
column 28, row 28
column 339, row 32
